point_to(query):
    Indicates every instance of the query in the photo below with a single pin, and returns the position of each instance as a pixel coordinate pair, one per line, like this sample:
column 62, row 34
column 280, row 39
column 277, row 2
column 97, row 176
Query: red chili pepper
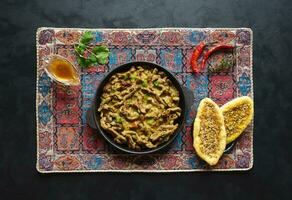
column 212, row 50
column 196, row 54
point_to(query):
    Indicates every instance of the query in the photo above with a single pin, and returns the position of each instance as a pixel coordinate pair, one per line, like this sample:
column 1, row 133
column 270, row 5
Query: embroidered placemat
column 65, row 143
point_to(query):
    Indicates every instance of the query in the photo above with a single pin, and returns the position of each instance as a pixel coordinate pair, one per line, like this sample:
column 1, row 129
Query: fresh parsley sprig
column 98, row 54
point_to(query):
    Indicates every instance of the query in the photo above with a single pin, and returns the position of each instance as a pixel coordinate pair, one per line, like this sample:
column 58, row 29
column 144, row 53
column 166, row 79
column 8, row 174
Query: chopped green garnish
column 133, row 77
column 156, row 83
column 150, row 121
column 118, row 119
column 130, row 101
column 144, row 83
column 126, row 76
column 145, row 97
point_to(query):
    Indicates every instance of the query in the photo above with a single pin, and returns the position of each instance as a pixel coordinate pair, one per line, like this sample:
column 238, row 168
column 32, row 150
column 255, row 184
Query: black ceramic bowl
column 94, row 116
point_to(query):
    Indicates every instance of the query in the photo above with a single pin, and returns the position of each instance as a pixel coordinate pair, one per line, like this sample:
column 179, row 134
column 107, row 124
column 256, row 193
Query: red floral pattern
column 67, row 111
column 91, row 141
column 45, row 140
column 43, row 52
column 145, row 37
column 170, row 161
column 222, row 87
column 66, row 51
column 189, row 139
column 63, row 92
column 244, row 59
column 67, row 162
column 46, row 36
column 119, row 37
column 223, row 36
column 67, row 138
column 227, row 162
column 146, row 55
column 68, row 36
column 171, row 37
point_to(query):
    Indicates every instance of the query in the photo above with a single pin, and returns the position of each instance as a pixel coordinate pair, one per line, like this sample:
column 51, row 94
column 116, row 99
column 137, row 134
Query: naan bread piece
column 237, row 114
column 209, row 132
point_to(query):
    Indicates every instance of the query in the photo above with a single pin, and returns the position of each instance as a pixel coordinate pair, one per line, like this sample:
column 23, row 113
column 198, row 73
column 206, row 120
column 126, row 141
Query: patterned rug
column 65, row 143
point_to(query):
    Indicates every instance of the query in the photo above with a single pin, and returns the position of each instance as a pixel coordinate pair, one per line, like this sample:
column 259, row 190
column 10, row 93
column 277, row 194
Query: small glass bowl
column 48, row 61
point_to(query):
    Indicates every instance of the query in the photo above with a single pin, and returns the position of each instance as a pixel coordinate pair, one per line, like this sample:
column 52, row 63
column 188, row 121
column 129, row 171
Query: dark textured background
column 270, row 20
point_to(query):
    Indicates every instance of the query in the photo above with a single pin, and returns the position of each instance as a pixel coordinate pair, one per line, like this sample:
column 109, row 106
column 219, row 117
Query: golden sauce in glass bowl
column 62, row 71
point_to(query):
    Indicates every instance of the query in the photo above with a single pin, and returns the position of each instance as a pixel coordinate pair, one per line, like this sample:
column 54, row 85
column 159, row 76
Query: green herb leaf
column 80, row 48
column 102, row 53
column 86, row 37
column 100, row 49
column 82, row 62
column 92, row 58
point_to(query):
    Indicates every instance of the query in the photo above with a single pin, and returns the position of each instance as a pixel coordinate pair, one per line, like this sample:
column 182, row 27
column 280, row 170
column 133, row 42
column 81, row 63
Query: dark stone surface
column 270, row 177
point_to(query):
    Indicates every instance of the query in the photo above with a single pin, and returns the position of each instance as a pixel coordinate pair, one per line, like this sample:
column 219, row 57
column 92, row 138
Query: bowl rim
column 99, row 90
